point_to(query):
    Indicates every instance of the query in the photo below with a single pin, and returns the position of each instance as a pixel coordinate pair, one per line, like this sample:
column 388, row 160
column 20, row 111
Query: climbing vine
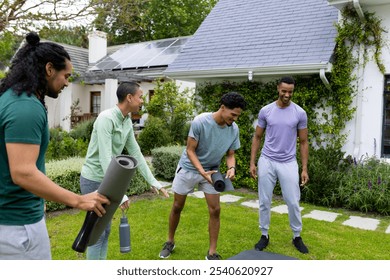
column 367, row 32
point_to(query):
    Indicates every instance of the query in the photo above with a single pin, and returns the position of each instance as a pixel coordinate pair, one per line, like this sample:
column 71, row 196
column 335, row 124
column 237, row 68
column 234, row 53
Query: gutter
column 313, row 68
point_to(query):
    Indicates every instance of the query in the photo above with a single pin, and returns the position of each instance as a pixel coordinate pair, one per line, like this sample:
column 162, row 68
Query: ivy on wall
column 367, row 32
column 328, row 111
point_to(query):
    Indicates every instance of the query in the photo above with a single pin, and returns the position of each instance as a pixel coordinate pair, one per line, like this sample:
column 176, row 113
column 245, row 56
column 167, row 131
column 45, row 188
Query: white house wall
column 59, row 109
column 371, row 87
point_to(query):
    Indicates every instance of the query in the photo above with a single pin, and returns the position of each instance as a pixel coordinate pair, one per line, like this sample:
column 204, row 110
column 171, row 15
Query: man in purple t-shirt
column 283, row 121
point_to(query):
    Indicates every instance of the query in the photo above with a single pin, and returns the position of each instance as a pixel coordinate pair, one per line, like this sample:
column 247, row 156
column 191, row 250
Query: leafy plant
column 62, row 145
column 165, row 160
column 83, row 130
column 155, row 134
column 366, row 186
column 174, row 107
column 327, row 167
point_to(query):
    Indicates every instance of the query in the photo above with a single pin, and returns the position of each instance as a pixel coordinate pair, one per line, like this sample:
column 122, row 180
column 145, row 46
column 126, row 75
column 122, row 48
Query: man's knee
column 215, row 211
column 177, row 207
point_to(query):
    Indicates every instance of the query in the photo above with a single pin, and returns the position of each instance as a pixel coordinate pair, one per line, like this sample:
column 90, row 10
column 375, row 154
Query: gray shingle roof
column 79, row 57
column 260, row 33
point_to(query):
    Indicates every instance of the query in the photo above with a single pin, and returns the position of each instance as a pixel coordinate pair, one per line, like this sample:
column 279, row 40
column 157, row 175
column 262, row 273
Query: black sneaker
column 167, row 249
column 214, row 256
column 301, row 247
column 263, row 242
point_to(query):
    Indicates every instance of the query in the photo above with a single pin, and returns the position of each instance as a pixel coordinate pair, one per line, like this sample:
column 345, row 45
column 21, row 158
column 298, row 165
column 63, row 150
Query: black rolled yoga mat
column 221, row 183
column 114, row 186
column 218, row 181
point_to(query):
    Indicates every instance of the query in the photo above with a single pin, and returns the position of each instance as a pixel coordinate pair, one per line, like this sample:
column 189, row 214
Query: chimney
column 97, row 46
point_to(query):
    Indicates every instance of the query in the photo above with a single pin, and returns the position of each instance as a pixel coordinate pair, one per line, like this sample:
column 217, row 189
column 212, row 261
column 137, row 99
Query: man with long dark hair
column 37, row 70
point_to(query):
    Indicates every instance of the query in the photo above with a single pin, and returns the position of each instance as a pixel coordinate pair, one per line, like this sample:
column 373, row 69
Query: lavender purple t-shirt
column 281, row 129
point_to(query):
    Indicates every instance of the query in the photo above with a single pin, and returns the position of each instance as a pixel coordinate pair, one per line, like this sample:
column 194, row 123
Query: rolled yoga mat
column 114, row 186
column 221, row 183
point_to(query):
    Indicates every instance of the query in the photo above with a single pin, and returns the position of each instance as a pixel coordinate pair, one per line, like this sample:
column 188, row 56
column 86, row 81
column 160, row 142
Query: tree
column 75, row 36
column 24, row 15
column 173, row 107
column 129, row 21
column 173, row 18
column 122, row 20
column 8, row 46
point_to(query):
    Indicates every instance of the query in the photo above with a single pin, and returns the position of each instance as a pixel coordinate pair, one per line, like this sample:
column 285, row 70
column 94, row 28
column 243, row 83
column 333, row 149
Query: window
column 95, row 103
column 386, row 119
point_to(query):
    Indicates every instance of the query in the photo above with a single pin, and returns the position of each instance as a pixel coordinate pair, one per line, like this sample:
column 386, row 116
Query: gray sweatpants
column 26, row 242
column 287, row 173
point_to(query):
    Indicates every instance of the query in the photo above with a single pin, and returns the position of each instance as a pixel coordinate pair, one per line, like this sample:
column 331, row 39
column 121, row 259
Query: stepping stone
column 322, row 215
column 388, row 229
column 362, row 223
column 230, row 198
column 251, row 203
column 282, row 209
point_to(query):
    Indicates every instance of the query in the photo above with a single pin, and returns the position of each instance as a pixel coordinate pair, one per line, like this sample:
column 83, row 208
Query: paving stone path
column 353, row 221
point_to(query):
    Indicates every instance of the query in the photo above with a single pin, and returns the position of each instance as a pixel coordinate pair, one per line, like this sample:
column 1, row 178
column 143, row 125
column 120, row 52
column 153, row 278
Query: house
column 265, row 39
column 99, row 69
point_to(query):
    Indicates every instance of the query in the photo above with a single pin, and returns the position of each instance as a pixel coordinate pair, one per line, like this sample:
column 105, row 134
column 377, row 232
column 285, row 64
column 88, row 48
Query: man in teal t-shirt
column 37, row 70
column 17, row 205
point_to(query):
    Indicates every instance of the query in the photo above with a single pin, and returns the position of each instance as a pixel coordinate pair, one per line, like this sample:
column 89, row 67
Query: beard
column 53, row 93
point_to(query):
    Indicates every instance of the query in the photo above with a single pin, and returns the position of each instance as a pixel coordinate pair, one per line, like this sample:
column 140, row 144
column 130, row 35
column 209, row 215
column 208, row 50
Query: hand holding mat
column 114, row 186
column 221, row 183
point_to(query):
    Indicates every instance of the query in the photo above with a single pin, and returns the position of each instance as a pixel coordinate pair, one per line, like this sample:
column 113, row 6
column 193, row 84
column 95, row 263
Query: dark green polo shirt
column 23, row 119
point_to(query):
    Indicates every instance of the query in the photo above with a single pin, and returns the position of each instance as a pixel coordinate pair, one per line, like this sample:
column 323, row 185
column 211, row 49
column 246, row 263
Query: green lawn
column 148, row 217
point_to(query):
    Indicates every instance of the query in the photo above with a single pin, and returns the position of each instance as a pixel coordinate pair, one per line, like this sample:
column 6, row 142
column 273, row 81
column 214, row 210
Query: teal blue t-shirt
column 213, row 142
column 23, row 119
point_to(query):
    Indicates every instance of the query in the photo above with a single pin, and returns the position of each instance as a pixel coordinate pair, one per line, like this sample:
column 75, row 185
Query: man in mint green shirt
column 112, row 132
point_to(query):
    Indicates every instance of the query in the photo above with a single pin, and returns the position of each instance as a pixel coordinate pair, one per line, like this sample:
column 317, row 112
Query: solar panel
column 145, row 54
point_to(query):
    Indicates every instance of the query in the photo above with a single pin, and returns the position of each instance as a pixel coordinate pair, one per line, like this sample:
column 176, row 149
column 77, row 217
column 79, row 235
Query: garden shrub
column 83, row 130
column 326, row 168
column 62, row 145
column 165, row 160
column 174, row 107
column 155, row 134
column 65, row 173
column 365, row 186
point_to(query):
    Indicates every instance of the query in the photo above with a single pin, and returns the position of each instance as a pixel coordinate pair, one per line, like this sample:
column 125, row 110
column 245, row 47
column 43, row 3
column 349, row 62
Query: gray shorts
column 27, row 242
column 185, row 182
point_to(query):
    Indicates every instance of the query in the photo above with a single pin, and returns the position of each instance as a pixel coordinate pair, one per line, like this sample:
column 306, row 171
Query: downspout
column 359, row 10
column 324, row 79
column 359, row 97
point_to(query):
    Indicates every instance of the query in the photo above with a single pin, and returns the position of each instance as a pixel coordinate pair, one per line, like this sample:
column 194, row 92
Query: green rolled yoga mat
column 114, row 186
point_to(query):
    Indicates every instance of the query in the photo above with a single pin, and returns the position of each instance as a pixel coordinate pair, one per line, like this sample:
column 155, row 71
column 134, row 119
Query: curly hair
column 233, row 100
column 28, row 68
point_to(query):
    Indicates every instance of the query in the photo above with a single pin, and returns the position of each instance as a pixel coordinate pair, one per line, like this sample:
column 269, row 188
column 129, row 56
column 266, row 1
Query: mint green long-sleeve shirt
column 111, row 133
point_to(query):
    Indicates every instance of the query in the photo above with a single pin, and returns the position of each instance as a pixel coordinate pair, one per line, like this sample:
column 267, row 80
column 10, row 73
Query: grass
column 148, row 218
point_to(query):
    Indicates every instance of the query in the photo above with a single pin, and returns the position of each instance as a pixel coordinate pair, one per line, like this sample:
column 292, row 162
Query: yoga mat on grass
column 114, row 186
column 259, row 255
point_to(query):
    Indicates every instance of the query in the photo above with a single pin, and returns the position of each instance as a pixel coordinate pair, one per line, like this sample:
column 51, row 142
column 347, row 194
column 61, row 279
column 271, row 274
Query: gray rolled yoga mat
column 114, row 186
column 221, row 183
